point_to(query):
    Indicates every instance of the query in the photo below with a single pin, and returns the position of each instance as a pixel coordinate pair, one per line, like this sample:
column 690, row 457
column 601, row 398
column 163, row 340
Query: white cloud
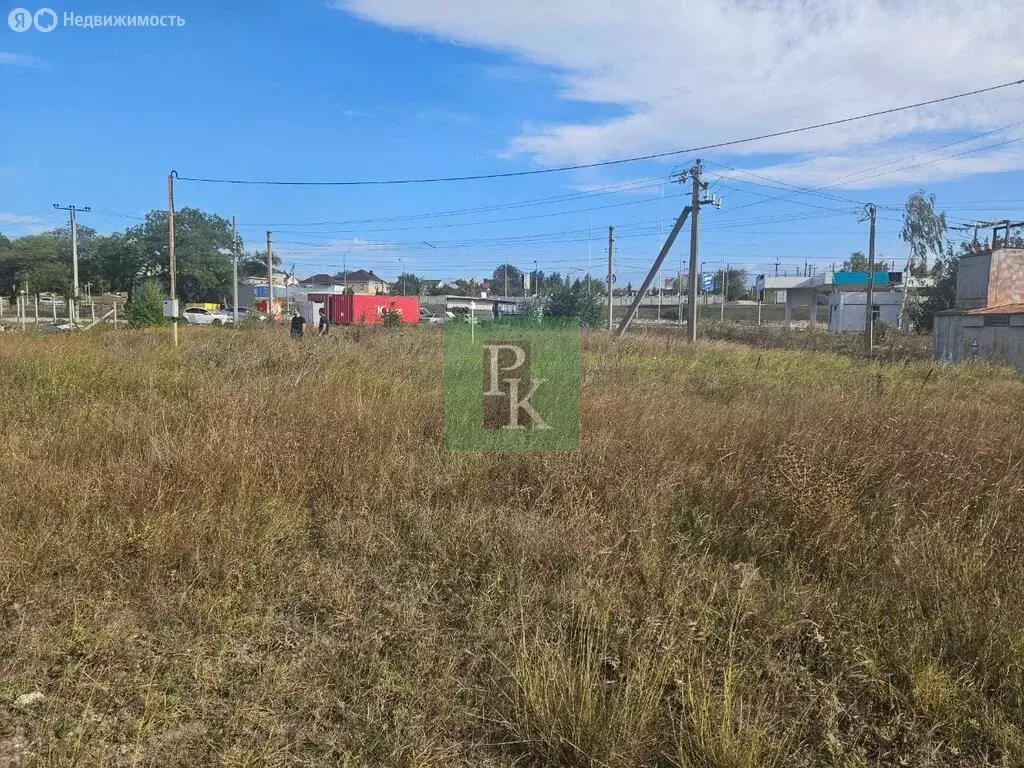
column 20, row 224
column 21, row 60
column 695, row 72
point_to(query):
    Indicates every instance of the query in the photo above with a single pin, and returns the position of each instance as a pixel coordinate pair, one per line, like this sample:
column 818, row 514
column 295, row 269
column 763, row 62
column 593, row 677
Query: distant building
column 988, row 320
column 847, row 310
column 358, row 281
column 822, row 289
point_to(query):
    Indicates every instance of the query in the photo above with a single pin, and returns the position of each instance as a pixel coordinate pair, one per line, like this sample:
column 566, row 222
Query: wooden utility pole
column 234, row 269
column 691, row 304
column 611, row 275
column 270, row 277
column 170, row 245
column 869, row 323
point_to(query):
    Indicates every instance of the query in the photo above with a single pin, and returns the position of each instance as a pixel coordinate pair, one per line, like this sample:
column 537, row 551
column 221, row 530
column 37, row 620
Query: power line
column 625, row 187
column 604, row 163
column 836, row 182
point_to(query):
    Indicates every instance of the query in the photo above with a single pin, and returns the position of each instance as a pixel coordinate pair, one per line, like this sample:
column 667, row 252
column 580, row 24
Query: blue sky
column 377, row 89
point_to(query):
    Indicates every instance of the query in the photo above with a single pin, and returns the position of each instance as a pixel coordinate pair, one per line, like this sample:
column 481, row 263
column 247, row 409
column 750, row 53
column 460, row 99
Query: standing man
column 325, row 324
column 298, row 322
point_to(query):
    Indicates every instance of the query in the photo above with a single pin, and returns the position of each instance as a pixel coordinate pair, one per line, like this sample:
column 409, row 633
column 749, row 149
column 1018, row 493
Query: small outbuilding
column 988, row 321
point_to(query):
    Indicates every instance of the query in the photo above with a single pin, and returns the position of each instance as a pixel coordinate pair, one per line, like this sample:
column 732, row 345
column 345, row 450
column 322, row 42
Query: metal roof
column 1005, row 309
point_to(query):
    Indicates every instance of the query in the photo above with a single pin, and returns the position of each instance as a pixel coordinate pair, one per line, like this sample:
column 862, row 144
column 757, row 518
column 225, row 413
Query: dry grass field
column 252, row 552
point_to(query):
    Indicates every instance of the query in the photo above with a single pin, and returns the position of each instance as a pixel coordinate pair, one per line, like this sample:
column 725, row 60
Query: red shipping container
column 345, row 309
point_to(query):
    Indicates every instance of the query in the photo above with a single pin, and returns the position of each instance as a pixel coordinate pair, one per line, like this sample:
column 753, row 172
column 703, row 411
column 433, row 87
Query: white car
column 426, row 316
column 200, row 316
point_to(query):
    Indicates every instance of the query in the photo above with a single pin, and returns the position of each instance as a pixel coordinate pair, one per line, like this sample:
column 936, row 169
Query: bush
column 392, row 318
column 573, row 301
column 146, row 307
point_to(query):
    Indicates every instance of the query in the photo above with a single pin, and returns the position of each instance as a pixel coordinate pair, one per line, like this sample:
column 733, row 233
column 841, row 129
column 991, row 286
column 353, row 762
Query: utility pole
column 73, row 209
column 590, row 254
column 234, row 270
column 869, row 323
column 725, row 288
column 611, row 274
column 776, row 266
column 270, row 277
column 676, row 229
column 170, row 247
column 679, row 297
column 691, row 315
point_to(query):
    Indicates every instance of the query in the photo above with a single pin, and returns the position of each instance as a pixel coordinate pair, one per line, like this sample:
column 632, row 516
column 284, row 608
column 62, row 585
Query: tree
column 858, row 262
column 924, row 231
column 508, row 280
column 435, row 288
column 941, row 295
column 407, row 284
column 736, row 285
column 465, row 287
column 146, row 307
column 117, row 263
column 35, row 260
column 574, row 301
column 254, row 264
column 203, row 246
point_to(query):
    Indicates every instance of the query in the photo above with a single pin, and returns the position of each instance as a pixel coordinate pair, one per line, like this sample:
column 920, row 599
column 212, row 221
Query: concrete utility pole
column 725, row 288
column 611, row 275
column 687, row 211
column 631, row 312
column 869, row 323
column 234, row 270
column 691, row 305
column 170, row 245
column 270, row 277
column 73, row 209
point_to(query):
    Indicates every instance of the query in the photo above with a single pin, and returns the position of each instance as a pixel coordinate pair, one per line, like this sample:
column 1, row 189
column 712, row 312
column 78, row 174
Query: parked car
column 426, row 316
column 200, row 316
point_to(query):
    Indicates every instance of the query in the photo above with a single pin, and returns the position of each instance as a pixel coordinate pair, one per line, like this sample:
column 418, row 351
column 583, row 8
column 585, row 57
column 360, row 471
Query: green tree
column 35, row 261
column 254, row 264
column 507, row 280
column 574, row 301
column 146, row 307
column 407, row 284
column 941, row 295
column 117, row 263
column 552, row 282
column 736, row 285
column 924, row 231
column 465, row 287
column 202, row 250
column 858, row 262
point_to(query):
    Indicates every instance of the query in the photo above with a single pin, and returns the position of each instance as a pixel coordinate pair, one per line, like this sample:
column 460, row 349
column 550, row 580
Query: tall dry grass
column 253, row 552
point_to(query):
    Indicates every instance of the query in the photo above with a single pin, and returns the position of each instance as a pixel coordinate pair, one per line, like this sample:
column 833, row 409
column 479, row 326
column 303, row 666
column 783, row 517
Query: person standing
column 298, row 323
column 325, row 324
